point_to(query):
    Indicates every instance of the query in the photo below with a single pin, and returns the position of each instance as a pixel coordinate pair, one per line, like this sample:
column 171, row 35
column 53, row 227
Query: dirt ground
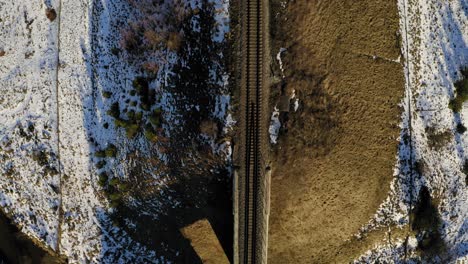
column 334, row 162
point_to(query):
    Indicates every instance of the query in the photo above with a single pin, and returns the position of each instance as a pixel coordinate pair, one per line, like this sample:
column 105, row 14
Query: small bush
column 114, row 182
column 115, row 196
column 461, row 87
column 155, row 117
column 103, row 179
column 41, row 157
column 438, row 140
column 150, row 134
column 106, row 94
column 131, row 115
column 140, row 84
column 101, row 164
column 138, row 117
column 131, row 130
column 110, row 151
column 124, row 187
column 114, row 111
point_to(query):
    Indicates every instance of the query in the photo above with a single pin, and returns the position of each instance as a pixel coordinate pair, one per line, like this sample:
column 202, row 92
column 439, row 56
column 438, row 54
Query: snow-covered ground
column 28, row 119
column 53, row 76
column 434, row 44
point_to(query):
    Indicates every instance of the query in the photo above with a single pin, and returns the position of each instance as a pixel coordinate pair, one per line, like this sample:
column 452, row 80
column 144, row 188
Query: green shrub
column 103, row 179
column 461, row 87
column 131, row 115
column 124, row 187
column 106, row 94
column 101, row 164
column 151, row 135
column 114, row 111
column 155, row 117
column 138, row 116
column 131, row 130
column 110, row 151
column 114, row 182
column 115, row 196
column 120, row 123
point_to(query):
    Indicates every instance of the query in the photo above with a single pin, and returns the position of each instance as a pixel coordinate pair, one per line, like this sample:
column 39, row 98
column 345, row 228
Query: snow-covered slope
column 53, row 118
column 432, row 153
column 28, row 119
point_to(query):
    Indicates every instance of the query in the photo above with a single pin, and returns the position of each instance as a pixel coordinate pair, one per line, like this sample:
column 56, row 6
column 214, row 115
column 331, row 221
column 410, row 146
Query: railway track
column 253, row 84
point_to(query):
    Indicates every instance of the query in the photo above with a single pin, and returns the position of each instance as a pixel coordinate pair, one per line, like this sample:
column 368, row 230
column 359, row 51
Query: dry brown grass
column 333, row 168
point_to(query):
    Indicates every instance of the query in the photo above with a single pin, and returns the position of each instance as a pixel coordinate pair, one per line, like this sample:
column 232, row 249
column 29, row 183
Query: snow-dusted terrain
column 53, row 119
column 432, row 153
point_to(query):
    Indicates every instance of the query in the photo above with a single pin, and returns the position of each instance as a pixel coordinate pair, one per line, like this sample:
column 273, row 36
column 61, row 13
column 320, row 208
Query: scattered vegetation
column 45, row 160
column 150, row 134
column 150, row 33
column 461, row 87
column 103, row 179
column 109, row 152
column 438, row 140
column 115, row 189
column 135, row 123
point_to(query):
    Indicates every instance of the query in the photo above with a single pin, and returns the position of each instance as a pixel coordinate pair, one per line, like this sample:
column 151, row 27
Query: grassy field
column 334, row 162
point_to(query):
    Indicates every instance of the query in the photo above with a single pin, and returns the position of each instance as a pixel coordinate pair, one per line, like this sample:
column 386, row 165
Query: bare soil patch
column 335, row 158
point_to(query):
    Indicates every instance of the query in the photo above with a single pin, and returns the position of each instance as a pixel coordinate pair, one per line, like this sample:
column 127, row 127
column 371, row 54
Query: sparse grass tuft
column 101, row 164
column 462, row 92
column 103, row 179
column 150, row 134
column 110, row 151
column 438, row 140
column 106, row 94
